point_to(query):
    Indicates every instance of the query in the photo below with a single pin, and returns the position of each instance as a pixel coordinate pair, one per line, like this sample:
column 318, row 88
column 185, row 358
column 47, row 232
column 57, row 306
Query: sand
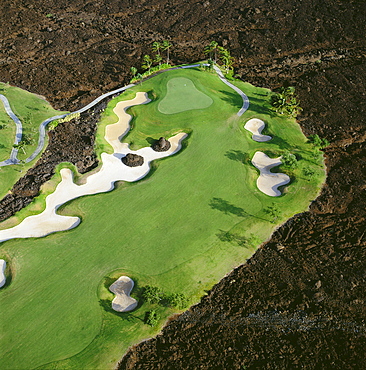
column 122, row 288
column 115, row 132
column 267, row 181
column 256, row 126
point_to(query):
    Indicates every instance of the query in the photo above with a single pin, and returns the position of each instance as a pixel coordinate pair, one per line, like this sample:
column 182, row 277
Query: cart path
column 18, row 134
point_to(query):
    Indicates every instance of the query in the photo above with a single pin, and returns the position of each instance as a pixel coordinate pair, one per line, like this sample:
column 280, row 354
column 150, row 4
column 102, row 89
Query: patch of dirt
column 299, row 302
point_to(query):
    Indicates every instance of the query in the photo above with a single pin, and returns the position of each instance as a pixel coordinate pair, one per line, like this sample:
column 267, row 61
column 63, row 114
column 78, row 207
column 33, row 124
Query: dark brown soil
column 299, row 302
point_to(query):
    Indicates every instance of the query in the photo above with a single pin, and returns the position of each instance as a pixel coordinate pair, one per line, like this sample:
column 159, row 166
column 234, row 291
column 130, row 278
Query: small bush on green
column 286, row 102
column 177, row 300
column 152, row 294
column 151, row 318
column 317, row 141
column 289, row 160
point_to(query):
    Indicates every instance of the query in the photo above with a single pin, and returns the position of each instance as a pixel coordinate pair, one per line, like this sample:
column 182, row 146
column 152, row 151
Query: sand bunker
column 114, row 133
column 256, row 126
column 102, row 181
column 267, row 181
column 2, row 273
column 122, row 289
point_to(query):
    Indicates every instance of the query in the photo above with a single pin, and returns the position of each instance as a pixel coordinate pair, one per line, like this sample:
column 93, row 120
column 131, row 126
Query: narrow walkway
column 18, row 135
column 43, row 125
column 245, row 105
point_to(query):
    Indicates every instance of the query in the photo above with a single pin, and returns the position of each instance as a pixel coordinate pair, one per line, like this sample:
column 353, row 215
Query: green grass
column 182, row 95
column 32, row 110
column 166, row 230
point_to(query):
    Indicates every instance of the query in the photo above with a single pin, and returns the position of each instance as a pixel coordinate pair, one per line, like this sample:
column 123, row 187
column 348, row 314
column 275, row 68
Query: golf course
column 197, row 214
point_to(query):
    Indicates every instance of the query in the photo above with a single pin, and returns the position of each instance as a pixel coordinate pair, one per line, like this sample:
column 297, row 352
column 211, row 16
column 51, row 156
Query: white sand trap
column 112, row 170
column 267, row 181
column 122, row 302
column 114, row 133
column 256, row 126
column 2, row 273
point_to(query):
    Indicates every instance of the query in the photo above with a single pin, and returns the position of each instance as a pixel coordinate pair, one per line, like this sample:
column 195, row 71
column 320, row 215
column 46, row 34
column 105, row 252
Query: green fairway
column 195, row 217
column 32, row 110
column 182, row 95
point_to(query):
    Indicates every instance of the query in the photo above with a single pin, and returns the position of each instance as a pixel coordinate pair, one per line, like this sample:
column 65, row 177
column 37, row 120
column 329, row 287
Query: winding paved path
column 18, row 135
column 43, row 125
column 245, row 105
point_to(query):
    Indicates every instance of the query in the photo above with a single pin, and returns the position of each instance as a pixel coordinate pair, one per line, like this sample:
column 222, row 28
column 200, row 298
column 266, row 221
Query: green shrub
column 151, row 318
column 289, row 160
column 177, row 300
column 152, row 294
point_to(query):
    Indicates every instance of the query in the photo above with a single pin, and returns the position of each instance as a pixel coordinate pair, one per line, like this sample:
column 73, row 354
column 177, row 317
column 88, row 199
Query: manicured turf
column 182, row 95
column 182, row 228
column 32, row 110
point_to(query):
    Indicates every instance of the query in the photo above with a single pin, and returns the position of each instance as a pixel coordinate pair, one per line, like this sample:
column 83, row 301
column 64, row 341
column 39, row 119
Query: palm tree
column 226, row 59
column 158, row 58
column 285, row 102
column 156, row 46
column 147, row 62
column 166, row 45
column 133, row 71
column 212, row 48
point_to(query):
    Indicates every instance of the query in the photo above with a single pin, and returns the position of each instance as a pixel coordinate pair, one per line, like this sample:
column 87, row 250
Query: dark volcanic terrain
column 299, row 302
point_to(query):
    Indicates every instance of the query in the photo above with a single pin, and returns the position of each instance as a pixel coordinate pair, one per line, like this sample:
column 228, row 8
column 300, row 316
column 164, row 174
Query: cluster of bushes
column 286, row 102
column 155, row 295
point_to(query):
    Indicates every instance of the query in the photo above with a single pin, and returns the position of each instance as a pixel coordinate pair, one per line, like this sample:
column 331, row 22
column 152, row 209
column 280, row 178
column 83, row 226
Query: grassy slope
column 161, row 231
column 31, row 110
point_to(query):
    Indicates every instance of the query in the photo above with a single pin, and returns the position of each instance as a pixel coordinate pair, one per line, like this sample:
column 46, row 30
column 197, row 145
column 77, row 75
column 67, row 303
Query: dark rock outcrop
column 162, row 145
column 133, row 160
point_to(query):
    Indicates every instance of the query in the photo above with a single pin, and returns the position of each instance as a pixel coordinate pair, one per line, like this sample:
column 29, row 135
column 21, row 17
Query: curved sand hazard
column 256, row 126
column 2, row 273
column 267, row 181
column 122, row 302
column 114, row 132
column 102, row 181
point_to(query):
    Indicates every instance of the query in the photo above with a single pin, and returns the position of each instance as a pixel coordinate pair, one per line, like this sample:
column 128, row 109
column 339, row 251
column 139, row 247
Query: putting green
column 182, row 95
column 196, row 216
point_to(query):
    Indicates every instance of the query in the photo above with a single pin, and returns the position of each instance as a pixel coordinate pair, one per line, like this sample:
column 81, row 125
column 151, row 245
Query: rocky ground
column 299, row 302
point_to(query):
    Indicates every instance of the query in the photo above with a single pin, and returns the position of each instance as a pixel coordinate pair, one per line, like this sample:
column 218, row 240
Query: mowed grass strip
column 182, row 228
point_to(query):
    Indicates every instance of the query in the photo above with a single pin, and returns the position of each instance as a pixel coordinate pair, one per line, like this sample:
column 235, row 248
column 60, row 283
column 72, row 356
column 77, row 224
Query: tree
column 226, row 59
column 212, row 49
column 20, row 146
column 133, row 71
column 289, row 160
column 152, row 294
column 210, row 66
column 156, row 46
column 166, row 45
column 285, row 102
column 158, row 58
column 147, row 62
column 308, row 172
column 177, row 300
column 318, row 142
column 273, row 211
column 151, row 318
